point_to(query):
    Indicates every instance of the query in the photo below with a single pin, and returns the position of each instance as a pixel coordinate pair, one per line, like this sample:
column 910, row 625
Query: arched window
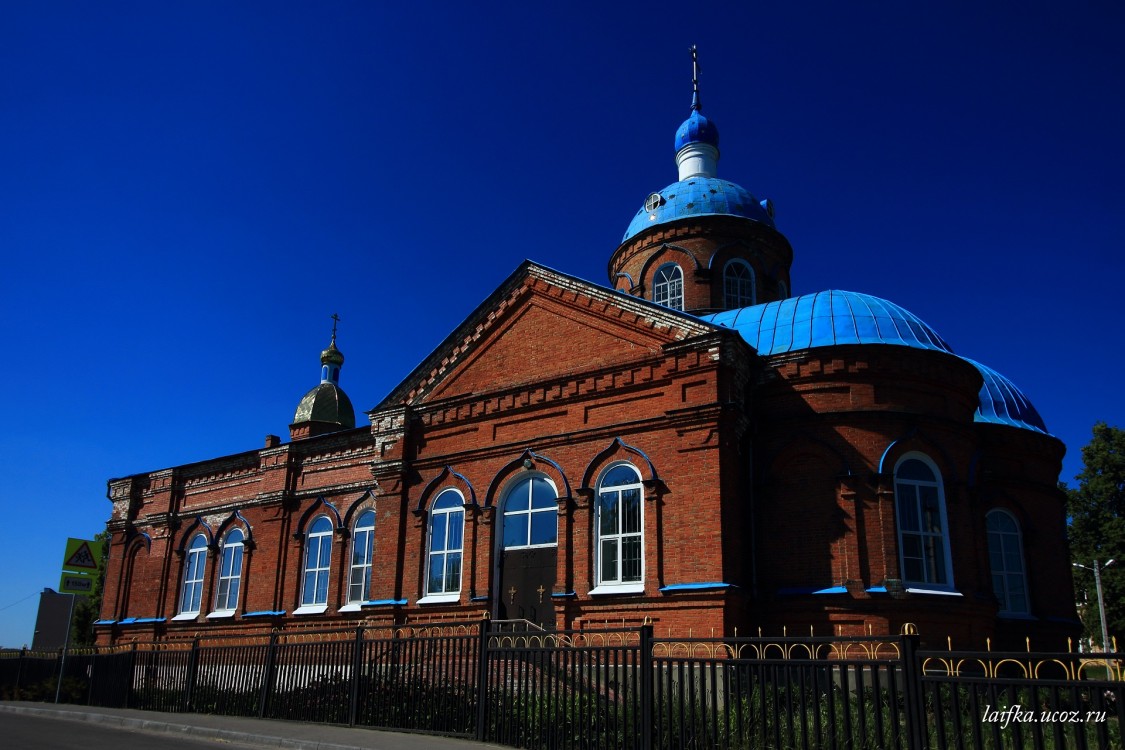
column 1005, row 557
column 668, row 286
column 447, row 533
column 194, row 566
column 318, row 564
column 738, row 284
column 619, row 521
column 531, row 511
column 230, row 573
column 363, row 538
column 923, row 540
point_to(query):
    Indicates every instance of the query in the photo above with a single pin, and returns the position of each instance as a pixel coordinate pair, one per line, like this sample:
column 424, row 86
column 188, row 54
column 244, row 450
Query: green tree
column 1097, row 529
column 87, row 609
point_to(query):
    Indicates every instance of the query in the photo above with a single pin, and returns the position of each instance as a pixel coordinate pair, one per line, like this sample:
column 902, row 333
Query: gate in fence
column 611, row 689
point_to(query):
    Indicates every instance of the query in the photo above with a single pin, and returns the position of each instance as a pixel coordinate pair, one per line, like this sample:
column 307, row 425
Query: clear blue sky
column 189, row 190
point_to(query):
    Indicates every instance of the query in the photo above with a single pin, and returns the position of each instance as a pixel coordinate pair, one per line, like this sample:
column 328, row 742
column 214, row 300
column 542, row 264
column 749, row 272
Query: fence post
column 132, row 675
column 646, row 666
column 357, row 665
column 193, row 664
column 19, row 672
column 267, row 676
column 90, row 682
column 915, row 705
column 482, row 680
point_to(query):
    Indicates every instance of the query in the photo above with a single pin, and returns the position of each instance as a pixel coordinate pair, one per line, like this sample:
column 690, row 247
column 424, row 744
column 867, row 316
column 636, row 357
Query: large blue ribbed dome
column 829, row 318
column 699, row 196
column 697, row 129
column 1001, row 402
column 835, row 318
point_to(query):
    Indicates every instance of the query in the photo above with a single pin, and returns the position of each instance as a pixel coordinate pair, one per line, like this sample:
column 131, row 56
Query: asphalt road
column 22, row 732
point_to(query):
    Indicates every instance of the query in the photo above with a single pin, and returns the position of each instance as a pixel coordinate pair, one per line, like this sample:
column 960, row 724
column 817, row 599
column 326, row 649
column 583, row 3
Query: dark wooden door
column 527, row 577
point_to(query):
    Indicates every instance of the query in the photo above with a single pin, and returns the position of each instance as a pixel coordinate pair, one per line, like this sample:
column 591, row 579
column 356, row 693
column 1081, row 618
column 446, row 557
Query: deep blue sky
column 188, row 193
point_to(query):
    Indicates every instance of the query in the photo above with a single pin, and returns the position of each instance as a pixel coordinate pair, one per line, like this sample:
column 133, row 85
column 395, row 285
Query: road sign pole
column 66, row 647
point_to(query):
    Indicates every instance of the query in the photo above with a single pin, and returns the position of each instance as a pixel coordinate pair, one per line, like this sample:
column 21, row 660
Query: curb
column 163, row 727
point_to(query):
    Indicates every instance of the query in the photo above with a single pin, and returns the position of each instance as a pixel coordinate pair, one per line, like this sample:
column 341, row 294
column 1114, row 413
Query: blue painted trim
column 104, row 622
column 265, row 613
column 832, row 590
column 479, row 598
column 140, row 620
column 564, row 596
column 383, row 603
column 696, row 586
column 877, row 590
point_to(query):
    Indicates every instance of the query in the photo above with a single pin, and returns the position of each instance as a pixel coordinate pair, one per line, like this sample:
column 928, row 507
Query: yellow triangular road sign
column 80, row 555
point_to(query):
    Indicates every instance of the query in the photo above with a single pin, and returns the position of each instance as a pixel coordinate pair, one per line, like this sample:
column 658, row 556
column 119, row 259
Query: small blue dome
column 1001, row 402
column 697, row 129
column 698, row 196
column 832, row 318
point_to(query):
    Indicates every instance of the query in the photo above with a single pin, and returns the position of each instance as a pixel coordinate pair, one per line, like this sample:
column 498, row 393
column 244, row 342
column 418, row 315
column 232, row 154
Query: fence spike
column 949, row 642
column 1027, row 640
column 988, row 645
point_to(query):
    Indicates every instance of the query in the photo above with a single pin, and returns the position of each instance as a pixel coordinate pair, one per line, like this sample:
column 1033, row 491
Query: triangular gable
column 541, row 324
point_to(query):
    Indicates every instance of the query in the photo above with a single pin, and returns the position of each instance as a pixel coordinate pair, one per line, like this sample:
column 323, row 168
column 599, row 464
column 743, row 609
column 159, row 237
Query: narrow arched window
column 1005, row 558
column 531, row 512
column 447, row 533
column 363, row 539
column 619, row 521
column 738, row 285
column 668, row 286
column 194, row 566
column 230, row 572
column 318, row 564
column 922, row 532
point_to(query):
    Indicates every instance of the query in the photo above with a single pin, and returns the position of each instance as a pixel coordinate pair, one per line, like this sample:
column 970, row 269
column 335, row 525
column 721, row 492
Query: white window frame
column 447, row 593
column 315, row 540
column 616, row 585
column 363, row 542
column 228, row 576
column 195, row 573
column 739, row 300
column 1005, row 538
column 925, row 538
column 526, row 480
column 668, row 286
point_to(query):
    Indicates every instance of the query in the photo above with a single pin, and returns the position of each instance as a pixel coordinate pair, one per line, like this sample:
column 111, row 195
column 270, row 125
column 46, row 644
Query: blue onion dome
column 698, row 196
column 697, row 129
column 831, row 318
column 1001, row 402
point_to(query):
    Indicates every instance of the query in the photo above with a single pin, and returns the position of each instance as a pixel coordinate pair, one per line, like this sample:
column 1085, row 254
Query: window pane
column 619, row 475
column 915, row 469
column 322, row 588
column 544, row 527
column 437, row 531
column 912, row 546
column 631, row 521
column 516, row 530
column 325, row 551
column 542, row 494
column 456, row 530
column 631, row 559
column 519, row 498
column 309, row 595
column 437, row 563
column 447, row 499
column 608, row 507
column 609, row 560
column 453, row 572
column 931, row 512
column 912, row 569
column 935, row 556
column 321, row 525
column 907, row 507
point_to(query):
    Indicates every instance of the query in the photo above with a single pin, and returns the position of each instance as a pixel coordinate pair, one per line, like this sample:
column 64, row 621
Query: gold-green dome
column 332, row 355
column 326, row 404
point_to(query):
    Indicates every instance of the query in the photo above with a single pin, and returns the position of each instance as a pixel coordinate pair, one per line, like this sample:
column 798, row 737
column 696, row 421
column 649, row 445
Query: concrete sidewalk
column 292, row 735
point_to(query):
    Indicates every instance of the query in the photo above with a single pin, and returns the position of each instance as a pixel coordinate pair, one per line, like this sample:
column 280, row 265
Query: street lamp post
column 1101, row 601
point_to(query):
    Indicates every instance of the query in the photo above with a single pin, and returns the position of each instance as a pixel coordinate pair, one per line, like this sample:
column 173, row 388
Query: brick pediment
column 540, row 325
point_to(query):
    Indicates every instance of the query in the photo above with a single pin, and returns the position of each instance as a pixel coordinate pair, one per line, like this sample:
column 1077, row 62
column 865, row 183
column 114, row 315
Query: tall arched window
column 1005, row 558
column 230, row 573
column 923, row 539
column 738, row 284
column 668, row 286
column 194, row 566
column 447, row 533
column 363, row 539
column 619, row 520
column 531, row 511
column 318, row 564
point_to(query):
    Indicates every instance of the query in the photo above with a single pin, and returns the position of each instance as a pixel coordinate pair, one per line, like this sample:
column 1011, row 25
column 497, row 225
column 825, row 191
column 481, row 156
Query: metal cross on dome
column 335, row 320
column 695, row 79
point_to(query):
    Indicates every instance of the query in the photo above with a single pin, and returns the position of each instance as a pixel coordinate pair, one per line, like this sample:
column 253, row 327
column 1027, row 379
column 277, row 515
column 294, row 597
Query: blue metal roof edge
column 104, row 622
column 702, row 586
column 265, row 613
column 807, row 590
column 140, row 620
column 383, row 603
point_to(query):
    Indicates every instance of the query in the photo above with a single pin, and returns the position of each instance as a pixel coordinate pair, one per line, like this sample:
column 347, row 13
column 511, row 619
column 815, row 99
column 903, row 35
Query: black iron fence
column 608, row 689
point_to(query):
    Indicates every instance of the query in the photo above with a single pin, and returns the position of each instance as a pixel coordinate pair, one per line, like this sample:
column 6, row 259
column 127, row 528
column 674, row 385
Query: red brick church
column 687, row 444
